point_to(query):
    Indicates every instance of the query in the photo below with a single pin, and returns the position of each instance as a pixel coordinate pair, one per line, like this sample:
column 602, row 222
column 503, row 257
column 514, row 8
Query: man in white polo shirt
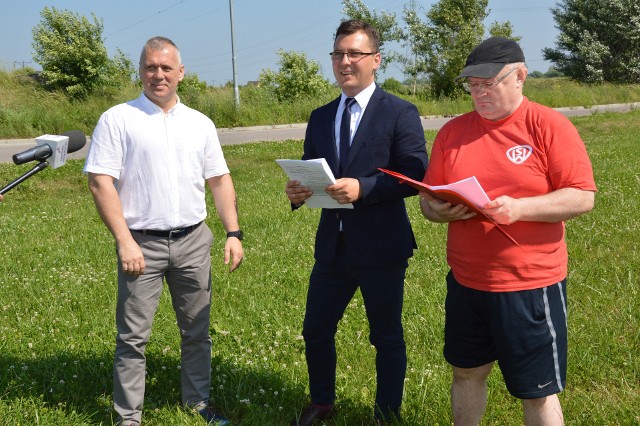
column 148, row 163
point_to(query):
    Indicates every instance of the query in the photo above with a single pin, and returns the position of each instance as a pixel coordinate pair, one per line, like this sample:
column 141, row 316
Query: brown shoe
column 311, row 413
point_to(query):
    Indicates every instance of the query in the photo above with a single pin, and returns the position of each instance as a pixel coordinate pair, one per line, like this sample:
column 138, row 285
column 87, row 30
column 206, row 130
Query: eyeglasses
column 488, row 85
column 353, row 56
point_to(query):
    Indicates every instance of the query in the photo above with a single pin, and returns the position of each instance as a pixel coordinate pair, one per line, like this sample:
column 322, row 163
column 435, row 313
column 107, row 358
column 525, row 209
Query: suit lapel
column 332, row 159
column 364, row 128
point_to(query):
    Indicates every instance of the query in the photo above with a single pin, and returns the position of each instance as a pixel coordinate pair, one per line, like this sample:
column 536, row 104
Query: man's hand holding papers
column 308, row 182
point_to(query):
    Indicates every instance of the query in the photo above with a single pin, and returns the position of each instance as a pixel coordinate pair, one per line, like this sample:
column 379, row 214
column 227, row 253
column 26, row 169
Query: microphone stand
column 38, row 167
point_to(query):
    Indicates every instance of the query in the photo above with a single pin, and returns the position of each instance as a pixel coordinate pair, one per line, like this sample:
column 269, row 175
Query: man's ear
column 522, row 74
column 377, row 60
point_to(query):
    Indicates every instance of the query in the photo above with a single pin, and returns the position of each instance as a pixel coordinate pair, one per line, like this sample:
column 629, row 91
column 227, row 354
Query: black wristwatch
column 238, row 234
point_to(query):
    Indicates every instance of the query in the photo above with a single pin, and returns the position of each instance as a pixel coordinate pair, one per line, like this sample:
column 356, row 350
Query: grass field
column 58, row 287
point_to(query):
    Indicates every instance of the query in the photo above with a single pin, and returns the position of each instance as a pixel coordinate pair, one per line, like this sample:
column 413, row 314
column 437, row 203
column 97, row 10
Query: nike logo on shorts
column 545, row 385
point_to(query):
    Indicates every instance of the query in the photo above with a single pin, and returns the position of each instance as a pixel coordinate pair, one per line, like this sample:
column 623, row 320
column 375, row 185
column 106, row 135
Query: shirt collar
column 363, row 97
column 151, row 107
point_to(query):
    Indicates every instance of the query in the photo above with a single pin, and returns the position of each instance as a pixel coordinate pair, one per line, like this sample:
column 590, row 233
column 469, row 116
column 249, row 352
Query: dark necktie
column 345, row 134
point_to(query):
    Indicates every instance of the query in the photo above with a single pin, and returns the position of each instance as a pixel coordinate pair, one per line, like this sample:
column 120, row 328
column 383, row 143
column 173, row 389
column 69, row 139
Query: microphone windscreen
column 77, row 140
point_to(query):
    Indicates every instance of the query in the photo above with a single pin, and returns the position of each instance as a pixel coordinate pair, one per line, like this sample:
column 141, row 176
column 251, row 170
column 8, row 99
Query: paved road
column 239, row 135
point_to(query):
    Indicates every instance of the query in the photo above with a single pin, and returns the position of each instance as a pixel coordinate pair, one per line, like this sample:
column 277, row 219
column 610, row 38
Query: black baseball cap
column 490, row 56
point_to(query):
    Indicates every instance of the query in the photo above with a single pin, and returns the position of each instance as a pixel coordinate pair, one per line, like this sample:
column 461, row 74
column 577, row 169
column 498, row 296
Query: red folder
column 474, row 197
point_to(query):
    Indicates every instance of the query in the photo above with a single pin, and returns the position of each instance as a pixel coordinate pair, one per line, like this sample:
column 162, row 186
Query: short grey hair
column 158, row 43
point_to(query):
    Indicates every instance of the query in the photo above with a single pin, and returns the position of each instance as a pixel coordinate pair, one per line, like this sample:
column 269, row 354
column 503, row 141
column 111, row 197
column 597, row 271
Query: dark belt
column 173, row 233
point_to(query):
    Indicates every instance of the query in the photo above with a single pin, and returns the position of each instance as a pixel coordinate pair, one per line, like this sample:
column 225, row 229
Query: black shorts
column 525, row 331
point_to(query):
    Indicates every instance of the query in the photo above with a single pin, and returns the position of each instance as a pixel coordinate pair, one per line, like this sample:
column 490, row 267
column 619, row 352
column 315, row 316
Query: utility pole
column 233, row 59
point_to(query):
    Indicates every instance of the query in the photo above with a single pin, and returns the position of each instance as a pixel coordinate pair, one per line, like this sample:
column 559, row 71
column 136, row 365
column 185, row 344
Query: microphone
column 56, row 146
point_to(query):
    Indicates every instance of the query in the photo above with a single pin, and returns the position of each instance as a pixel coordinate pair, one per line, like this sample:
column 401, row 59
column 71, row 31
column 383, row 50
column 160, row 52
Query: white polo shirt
column 160, row 162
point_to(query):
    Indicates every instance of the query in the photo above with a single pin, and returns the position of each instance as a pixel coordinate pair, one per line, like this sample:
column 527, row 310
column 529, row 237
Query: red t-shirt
column 534, row 151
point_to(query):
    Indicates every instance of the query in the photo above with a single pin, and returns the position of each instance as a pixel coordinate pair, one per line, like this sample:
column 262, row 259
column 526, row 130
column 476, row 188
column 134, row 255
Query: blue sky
column 201, row 29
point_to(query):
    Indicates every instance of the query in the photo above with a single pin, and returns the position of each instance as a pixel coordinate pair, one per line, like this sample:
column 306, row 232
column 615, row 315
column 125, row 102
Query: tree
column 119, row 70
column 599, row 40
column 72, row 54
column 393, row 86
column 503, row 29
column 437, row 47
column 191, row 85
column 297, row 78
column 442, row 43
column 384, row 22
column 553, row 72
column 417, row 39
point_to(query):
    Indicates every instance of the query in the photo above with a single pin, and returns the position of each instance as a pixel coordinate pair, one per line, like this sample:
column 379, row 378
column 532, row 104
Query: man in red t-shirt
column 506, row 301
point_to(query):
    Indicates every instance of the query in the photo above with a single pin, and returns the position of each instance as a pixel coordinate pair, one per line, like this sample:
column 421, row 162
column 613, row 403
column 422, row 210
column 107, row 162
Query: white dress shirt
column 160, row 162
column 357, row 109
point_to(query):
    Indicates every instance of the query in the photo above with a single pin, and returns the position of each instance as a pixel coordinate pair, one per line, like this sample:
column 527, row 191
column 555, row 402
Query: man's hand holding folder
column 467, row 191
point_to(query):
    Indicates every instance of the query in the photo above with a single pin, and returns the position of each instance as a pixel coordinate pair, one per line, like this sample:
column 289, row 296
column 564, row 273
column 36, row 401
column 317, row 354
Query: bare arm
column 557, row 206
column 224, row 196
column 109, row 208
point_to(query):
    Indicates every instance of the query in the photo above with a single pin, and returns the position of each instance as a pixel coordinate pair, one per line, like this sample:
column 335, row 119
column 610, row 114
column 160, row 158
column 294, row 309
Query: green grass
column 58, row 287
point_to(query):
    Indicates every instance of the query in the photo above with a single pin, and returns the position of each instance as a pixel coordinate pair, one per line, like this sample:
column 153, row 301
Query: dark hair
column 157, row 43
column 355, row 25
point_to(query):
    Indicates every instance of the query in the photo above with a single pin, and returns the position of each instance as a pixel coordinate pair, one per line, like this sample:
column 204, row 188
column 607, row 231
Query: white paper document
column 316, row 174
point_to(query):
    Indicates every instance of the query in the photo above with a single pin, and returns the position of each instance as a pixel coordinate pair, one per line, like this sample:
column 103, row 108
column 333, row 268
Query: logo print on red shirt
column 519, row 154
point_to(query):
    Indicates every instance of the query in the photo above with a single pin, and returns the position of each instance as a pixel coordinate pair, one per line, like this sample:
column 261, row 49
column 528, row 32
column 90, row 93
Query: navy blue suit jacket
column 377, row 231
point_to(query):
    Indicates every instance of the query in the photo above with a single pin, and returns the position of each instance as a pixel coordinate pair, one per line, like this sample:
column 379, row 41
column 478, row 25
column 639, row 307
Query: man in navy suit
column 366, row 247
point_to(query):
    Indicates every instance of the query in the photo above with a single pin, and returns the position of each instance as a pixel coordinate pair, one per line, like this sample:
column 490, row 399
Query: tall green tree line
column 599, row 41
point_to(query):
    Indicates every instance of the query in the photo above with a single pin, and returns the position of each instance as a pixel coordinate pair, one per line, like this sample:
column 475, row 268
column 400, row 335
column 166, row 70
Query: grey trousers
column 185, row 264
